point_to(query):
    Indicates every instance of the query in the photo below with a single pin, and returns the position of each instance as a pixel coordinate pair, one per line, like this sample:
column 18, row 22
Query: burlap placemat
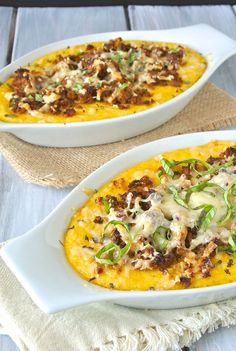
column 212, row 108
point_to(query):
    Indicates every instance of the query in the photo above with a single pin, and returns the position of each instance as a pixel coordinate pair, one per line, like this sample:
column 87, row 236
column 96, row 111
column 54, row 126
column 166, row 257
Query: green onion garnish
column 38, row 97
column 160, row 237
column 114, row 253
column 76, row 87
column 215, row 169
column 232, row 243
column 230, row 208
column 85, row 71
column 197, row 188
column 117, row 57
column 116, row 222
column 106, row 205
column 230, row 248
column 30, row 97
column 206, row 216
column 131, row 58
column 174, row 50
column 122, row 86
column 167, row 165
column 177, row 197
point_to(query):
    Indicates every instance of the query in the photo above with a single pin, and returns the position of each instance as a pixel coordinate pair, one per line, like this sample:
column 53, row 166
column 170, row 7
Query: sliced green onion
column 160, row 238
column 122, row 86
column 193, row 161
column 106, row 205
column 206, row 216
column 30, row 97
column 232, row 243
column 77, row 87
column 215, row 169
column 105, row 250
column 197, row 188
column 116, row 222
column 230, row 208
column 117, row 57
column 114, row 253
column 38, row 97
column 177, row 197
column 167, row 165
column 174, row 50
column 131, row 58
column 230, row 248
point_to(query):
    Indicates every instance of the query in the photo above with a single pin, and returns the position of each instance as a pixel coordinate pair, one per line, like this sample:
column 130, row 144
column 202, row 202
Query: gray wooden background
column 23, row 205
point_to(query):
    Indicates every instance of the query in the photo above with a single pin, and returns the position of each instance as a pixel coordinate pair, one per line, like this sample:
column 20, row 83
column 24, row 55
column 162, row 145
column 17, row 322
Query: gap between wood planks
column 11, row 35
column 127, row 18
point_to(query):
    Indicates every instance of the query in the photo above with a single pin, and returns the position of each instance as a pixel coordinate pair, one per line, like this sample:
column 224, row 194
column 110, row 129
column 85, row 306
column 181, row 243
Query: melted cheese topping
column 193, row 68
column 83, row 234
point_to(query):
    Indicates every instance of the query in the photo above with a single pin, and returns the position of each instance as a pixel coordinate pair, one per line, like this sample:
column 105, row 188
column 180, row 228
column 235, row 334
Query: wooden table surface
column 23, row 205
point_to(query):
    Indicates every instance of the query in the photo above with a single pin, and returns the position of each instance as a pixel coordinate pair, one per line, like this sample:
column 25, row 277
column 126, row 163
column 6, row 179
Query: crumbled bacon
column 230, row 262
column 164, row 261
column 186, row 170
column 70, row 112
column 211, row 160
column 98, row 219
column 117, row 238
column 100, row 269
column 191, row 234
column 145, row 205
column 21, row 80
column 186, row 281
column 230, row 151
column 144, row 181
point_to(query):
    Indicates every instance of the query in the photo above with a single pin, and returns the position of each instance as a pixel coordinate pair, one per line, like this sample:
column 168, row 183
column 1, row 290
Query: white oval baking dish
column 38, row 261
column 214, row 45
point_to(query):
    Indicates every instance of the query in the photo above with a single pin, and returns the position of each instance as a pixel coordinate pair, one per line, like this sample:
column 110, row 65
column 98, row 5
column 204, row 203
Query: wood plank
column 222, row 339
column 39, row 26
column 5, row 28
column 220, row 17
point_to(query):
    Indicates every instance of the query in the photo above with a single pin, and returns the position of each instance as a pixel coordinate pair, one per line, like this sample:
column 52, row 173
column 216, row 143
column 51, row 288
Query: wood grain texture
column 5, row 28
column 220, row 17
column 39, row 26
